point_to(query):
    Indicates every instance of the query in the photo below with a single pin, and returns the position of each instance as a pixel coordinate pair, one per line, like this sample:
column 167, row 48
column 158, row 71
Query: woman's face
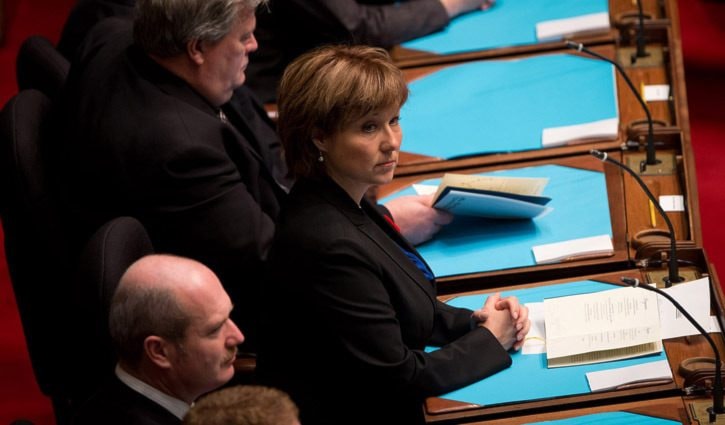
column 364, row 153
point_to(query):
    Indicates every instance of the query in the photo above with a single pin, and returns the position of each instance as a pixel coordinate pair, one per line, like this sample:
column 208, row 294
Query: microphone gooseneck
column 717, row 389
column 640, row 41
column 673, row 272
column 650, row 148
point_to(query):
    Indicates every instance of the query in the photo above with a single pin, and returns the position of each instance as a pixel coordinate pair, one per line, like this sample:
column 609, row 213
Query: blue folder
column 503, row 106
column 470, row 245
column 611, row 418
column 507, row 23
column 528, row 378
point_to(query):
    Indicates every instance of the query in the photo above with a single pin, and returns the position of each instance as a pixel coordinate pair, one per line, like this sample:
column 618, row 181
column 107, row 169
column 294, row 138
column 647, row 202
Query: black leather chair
column 40, row 66
column 106, row 256
column 84, row 15
column 39, row 260
column 62, row 296
column 104, row 259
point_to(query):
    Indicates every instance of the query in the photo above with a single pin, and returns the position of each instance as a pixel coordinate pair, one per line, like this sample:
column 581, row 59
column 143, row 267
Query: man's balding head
column 170, row 323
column 153, row 298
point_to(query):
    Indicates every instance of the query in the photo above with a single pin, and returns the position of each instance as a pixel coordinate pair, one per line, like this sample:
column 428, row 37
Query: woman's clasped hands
column 505, row 318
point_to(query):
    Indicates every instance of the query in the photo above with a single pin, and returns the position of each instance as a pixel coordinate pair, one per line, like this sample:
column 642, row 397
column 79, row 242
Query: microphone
column 640, row 52
column 717, row 389
column 673, row 273
column 650, row 158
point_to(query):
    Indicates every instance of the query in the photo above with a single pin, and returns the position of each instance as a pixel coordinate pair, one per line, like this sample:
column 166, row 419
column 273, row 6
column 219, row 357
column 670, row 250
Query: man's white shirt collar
column 177, row 407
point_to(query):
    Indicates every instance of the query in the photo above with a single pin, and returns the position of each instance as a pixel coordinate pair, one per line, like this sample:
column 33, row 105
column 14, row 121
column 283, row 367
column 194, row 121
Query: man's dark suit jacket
column 289, row 28
column 117, row 404
column 353, row 315
column 139, row 141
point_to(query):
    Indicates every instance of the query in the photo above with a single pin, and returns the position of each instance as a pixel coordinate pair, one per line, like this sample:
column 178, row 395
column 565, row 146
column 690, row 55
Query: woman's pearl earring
column 320, row 158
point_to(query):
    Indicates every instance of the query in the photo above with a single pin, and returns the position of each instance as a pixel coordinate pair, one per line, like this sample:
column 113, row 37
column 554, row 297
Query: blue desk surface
column 611, row 418
column 470, row 245
column 504, row 106
column 528, row 377
column 507, row 23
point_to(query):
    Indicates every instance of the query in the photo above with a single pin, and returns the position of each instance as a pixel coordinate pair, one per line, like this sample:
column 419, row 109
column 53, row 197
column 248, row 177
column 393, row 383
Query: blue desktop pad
column 470, row 245
column 528, row 378
column 611, row 418
column 503, row 106
column 508, row 23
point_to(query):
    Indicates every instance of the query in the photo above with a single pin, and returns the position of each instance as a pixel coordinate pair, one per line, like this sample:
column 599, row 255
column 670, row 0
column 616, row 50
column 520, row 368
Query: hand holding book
column 492, row 196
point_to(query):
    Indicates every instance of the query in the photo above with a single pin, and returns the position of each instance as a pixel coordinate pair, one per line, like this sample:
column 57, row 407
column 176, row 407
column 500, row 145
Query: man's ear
column 195, row 50
column 159, row 351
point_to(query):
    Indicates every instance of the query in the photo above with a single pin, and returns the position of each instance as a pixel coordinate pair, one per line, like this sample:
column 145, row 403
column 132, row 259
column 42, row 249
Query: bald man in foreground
column 169, row 321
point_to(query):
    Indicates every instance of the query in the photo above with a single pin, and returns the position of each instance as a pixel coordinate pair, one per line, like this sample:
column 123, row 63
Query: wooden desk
column 624, row 23
column 672, row 408
column 668, row 396
column 635, row 236
column 633, row 124
column 671, row 136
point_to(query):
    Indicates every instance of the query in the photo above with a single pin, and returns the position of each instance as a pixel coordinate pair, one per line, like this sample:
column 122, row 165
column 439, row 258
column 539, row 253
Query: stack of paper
column 574, row 249
column 556, row 29
column 603, row 326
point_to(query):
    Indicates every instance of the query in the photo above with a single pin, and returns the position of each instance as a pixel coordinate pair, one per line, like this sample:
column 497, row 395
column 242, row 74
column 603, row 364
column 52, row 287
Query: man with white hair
column 157, row 125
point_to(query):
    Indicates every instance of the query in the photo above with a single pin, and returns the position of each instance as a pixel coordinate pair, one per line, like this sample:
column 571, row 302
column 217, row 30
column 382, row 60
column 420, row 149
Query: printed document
column 602, row 326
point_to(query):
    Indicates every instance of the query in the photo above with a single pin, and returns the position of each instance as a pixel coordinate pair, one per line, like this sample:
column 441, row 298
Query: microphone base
column 660, row 276
column 700, row 412
column 654, row 58
column 666, row 165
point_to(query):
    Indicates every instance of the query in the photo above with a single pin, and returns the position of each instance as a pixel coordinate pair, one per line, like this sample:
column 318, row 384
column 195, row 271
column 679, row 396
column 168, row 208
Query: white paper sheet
column 557, row 28
column 672, row 203
column 535, row 341
column 656, row 92
column 695, row 299
column 425, row 189
column 642, row 373
column 573, row 249
column 603, row 129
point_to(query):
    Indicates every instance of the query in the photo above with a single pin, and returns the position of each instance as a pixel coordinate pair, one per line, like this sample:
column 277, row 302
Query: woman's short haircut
column 164, row 27
column 325, row 90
